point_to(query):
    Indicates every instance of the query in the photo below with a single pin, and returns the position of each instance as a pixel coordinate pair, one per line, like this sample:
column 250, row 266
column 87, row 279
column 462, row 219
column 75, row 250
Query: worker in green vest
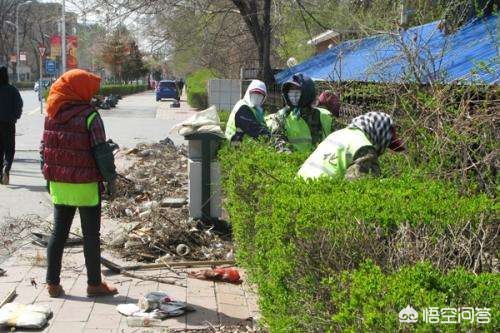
column 353, row 151
column 299, row 123
column 247, row 116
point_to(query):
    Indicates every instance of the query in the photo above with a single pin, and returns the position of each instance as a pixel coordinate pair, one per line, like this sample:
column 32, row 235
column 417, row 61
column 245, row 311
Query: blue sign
column 50, row 67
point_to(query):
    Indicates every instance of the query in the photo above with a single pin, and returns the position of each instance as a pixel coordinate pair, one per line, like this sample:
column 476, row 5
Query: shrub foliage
column 332, row 255
column 196, row 88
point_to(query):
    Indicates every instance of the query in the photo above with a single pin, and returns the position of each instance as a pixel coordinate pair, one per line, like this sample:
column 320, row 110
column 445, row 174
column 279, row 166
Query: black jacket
column 248, row 123
column 11, row 104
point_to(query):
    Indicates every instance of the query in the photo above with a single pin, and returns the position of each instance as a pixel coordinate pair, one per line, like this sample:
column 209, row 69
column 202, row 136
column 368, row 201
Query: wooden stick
column 117, row 268
column 10, row 296
column 179, row 264
column 152, row 278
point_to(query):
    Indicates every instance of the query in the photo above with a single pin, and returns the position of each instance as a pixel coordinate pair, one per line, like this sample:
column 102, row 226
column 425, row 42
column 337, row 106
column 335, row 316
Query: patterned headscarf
column 377, row 126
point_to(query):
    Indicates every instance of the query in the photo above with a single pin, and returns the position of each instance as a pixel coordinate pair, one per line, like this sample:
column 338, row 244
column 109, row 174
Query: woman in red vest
column 76, row 161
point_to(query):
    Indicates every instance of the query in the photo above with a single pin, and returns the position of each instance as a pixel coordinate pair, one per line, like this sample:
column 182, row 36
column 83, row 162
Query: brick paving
column 215, row 303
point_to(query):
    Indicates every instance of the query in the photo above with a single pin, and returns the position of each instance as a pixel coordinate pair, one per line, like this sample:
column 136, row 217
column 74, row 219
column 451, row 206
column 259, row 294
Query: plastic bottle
column 143, row 322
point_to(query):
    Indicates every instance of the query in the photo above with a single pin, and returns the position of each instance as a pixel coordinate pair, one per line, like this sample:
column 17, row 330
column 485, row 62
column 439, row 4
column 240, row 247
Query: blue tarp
column 421, row 54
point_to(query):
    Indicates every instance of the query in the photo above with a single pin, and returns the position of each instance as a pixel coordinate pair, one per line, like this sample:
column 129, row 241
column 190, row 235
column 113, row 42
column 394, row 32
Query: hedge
column 196, row 88
column 23, row 85
column 122, row 89
column 332, row 255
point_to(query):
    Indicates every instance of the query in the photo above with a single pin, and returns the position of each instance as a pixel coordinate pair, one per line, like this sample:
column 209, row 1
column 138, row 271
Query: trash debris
column 230, row 275
column 173, row 202
column 33, row 283
column 2, row 272
column 151, row 197
column 10, row 296
column 182, row 250
column 43, row 240
column 153, row 306
column 24, row 316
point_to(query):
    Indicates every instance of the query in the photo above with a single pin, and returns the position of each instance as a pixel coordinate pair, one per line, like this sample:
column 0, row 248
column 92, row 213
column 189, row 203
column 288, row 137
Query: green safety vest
column 71, row 194
column 299, row 134
column 231, row 128
column 335, row 154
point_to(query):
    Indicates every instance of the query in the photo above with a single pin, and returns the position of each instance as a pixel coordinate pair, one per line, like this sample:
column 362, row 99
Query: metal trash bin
column 204, row 189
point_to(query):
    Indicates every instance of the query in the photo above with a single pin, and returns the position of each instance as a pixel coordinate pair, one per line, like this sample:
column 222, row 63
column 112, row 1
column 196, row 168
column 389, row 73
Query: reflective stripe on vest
column 231, row 128
column 335, row 154
column 299, row 134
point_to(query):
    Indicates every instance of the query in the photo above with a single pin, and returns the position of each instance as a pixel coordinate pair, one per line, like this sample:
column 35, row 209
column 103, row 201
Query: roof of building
column 329, row 34
column 421, row 54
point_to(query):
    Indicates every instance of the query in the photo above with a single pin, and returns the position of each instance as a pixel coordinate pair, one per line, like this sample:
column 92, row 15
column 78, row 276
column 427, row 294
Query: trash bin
column 204, row 176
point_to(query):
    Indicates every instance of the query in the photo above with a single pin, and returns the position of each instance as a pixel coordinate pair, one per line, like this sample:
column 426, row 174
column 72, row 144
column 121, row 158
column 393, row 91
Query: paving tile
column 234, row 311
column 199, row 318
column 229, row 288
column 176, row 322
column 74, row 312
column 231, row 299
column 103, row 321
column 66, row 327
column 14, row 273
column 200, row 288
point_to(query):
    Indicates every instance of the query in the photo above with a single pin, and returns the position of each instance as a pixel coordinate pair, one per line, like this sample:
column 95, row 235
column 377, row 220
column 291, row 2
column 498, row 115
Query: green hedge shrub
column 122, row 89
column 24, row 85
column 196, row 88
column 300, row 240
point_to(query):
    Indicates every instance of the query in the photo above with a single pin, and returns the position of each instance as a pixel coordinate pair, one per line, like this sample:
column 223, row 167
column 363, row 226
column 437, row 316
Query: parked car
column 166, row 89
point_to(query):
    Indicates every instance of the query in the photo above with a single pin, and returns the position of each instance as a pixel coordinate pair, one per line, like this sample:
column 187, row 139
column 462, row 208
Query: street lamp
column 17, row 36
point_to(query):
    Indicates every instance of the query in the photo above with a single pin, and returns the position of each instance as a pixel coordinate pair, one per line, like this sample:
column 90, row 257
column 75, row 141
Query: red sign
column 41, row 49
column 71, row 57
column 55, row 47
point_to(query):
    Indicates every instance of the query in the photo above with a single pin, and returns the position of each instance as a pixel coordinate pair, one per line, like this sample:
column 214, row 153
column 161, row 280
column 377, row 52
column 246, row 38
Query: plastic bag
column 24, row 316
column 206, row 121
column 155, row 305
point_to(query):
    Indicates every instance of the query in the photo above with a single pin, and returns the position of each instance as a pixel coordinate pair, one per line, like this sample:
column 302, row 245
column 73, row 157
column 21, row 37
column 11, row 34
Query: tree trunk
column 261, row 33
column 266, row 45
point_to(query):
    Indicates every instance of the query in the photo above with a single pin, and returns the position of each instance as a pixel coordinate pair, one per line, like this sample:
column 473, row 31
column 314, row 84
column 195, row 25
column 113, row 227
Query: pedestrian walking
column 10, row 111
column 76, row 161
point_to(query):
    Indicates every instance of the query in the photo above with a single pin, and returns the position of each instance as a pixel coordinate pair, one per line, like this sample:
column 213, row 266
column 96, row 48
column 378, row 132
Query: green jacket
column 339, row 151
column 303, row 126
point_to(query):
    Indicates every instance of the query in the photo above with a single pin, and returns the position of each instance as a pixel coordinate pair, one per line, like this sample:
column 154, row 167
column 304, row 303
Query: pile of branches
column 13, row 230
column 151, row 203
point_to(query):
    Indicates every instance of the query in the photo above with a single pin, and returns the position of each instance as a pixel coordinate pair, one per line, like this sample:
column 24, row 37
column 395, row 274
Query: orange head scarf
column 73, row 86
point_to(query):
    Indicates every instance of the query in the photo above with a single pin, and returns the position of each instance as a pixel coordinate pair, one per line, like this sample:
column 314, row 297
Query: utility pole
column 17, row 37
column 63, row 37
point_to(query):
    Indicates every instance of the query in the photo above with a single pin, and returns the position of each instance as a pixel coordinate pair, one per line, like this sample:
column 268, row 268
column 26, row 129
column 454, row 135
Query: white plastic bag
column 24, row 316
column 206, row 121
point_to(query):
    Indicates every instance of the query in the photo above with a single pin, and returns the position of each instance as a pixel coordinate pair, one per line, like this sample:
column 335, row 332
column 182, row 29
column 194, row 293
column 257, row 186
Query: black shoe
column 5, row 178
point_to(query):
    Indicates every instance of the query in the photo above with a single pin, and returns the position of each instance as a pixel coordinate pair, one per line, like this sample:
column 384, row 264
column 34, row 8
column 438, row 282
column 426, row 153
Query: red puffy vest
column 67, row 151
